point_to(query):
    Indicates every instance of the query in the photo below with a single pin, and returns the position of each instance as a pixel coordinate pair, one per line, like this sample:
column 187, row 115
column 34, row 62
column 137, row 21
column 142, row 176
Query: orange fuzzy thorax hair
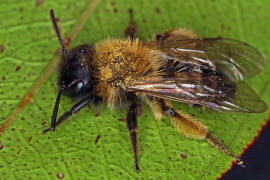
column 120, row 62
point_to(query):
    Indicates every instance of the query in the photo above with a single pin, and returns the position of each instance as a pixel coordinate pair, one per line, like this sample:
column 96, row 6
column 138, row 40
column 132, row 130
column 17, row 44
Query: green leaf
column 28, row 91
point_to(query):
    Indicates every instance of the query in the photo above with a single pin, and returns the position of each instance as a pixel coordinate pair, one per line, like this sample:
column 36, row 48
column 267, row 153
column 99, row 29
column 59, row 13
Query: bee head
column 75, row 75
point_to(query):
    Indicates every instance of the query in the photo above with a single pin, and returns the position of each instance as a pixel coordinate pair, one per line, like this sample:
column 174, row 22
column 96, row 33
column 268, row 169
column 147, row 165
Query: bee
column 176, row 66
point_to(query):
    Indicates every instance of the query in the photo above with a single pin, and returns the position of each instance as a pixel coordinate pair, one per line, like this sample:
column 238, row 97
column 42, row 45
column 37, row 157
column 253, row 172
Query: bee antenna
column 55, row 109
column 58, row 34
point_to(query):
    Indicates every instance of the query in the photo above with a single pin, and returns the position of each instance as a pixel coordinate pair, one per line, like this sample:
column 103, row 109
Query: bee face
column 75, row 72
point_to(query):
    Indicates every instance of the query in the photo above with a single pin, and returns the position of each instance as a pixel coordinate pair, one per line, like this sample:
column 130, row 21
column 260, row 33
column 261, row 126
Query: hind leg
column 187, row 125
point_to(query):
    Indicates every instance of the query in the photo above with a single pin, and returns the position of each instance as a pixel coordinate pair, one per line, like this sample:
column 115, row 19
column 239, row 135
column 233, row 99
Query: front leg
column 132, row 127
column 75, row 108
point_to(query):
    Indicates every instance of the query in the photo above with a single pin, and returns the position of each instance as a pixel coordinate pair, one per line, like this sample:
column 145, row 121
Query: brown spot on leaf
column 29, row 139
column 3, row 78
column 157, row 10
column 144, row 20
column 97, row 138
column 183, row 155
column 39, row 2
column 2, row 48
column 67, row 41
column 60, row 175
column 1, row 146
column 112, row 3
column 21, row 9
column 19, row 150
column 115, row 10
column 43, row 122
column 18, row 68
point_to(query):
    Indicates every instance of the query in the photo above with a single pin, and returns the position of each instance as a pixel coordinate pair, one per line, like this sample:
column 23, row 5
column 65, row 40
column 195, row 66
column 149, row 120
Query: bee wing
column 235, row 59
column 208, row 72
column 207, row 92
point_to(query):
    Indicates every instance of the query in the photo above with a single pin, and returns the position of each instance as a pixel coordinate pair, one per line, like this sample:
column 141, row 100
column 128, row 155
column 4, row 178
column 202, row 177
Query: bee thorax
column 119, row 63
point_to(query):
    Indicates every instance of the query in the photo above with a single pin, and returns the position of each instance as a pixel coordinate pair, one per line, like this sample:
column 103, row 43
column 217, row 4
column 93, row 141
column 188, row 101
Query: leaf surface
column 27, row 61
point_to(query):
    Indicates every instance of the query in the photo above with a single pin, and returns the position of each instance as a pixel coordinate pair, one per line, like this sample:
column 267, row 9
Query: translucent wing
column 208, row 72
column 235, row 59
column 216, row 95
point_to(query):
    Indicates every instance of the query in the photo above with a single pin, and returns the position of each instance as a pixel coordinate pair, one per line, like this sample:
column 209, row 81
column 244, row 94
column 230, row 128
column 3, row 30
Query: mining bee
column 176, row 66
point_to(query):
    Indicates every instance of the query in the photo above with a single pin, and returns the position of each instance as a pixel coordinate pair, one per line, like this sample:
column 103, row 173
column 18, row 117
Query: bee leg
column 132, row 127
column 192, row 128
column 131, row 29
column 75, row 108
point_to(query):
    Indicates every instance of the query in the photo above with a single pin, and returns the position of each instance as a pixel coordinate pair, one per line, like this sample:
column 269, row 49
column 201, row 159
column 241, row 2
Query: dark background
column 256, row 160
